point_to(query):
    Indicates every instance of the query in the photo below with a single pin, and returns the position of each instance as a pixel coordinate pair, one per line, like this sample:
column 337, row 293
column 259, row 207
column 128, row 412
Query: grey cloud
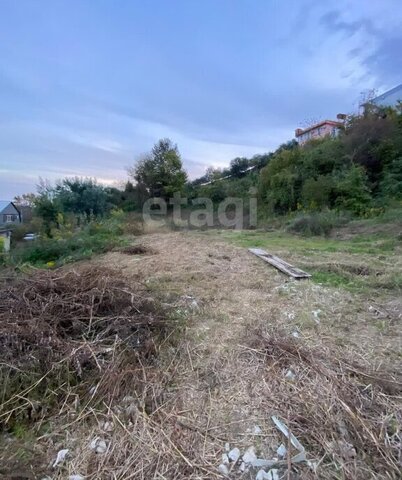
column 332, row 21
column 386, row 61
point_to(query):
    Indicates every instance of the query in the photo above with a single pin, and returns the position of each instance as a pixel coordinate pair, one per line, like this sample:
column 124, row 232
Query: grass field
column 360, row 263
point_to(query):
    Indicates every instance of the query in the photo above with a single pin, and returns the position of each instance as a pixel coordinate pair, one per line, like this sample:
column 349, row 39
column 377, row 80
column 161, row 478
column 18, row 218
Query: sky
column 88, row 86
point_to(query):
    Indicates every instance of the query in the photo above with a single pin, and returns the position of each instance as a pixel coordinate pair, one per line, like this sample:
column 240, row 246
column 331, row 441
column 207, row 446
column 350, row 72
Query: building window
column 10, row 218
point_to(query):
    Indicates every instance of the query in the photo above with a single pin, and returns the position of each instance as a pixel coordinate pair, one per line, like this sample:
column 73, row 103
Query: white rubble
column 61, row 456
column 234, row 454
column 98, row 445
column 249, row 455
column 281, row 451
column 223, row 469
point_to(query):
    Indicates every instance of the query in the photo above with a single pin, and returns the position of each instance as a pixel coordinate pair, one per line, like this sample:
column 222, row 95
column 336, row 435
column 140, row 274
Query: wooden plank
column 280, row 264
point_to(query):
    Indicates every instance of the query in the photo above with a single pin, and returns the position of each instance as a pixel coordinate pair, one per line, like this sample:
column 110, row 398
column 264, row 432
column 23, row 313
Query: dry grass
column 167, row 414
column 347, row 414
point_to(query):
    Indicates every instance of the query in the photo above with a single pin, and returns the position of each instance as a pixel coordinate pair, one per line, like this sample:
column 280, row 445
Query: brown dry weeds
column 227, row 375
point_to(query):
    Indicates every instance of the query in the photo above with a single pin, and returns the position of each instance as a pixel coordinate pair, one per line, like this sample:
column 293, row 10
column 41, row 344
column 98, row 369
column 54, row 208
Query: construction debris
column 279, row 263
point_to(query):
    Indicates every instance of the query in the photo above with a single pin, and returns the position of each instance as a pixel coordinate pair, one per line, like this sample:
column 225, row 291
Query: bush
column 316, row 224
column 94, row 238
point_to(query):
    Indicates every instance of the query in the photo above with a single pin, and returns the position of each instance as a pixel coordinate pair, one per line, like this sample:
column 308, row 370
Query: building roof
column 386, row 94
column 5, row 203
column 317, row 125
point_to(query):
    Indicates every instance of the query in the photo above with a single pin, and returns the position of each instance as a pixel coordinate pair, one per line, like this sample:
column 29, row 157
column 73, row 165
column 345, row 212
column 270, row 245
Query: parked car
column 31, row 236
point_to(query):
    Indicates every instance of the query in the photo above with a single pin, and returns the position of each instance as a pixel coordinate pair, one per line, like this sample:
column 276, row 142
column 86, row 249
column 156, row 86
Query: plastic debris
column 227, row 447
column 249, row 455
column 223, row 469
column 281, row 451
column 234, row 454
column 61, row 456
column 76, row 477
column 257, row 430
column 295, row 334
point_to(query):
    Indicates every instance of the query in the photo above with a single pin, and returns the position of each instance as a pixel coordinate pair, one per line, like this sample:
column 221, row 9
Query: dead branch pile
column 81, row 331
column 137, row 250
column 347, row 414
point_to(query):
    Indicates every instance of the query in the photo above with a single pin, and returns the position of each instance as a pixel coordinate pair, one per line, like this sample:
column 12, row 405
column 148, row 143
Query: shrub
column 316, row 224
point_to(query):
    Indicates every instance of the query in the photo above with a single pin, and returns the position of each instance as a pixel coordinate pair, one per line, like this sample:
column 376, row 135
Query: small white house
column 9, row 213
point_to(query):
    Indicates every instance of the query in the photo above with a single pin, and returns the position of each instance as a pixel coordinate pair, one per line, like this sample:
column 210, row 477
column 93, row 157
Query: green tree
column 317, row 192
column 352, row 191
column 81, row 196
column 160, row 173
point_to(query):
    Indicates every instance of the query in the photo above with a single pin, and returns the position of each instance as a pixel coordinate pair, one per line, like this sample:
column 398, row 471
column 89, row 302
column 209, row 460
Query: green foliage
column 317, row 192
column 316, row 224
column 280, row 181
column 68, row 246
column 160, row 173
column 391, row 183
column 352, row 191
column 81, row 196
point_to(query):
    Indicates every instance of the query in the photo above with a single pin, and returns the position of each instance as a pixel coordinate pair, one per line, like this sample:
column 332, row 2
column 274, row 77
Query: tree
column 81, row 196
column 161, row 171
column 46, row 209
column 25, row 200
column 239, row 166
column 352, row 191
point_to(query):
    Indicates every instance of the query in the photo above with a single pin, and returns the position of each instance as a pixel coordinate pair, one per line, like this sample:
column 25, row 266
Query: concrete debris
column 316, row 316
column 262, row 463
column 249, row 455
column 61, row 456
column 76, row 477
column 290, row 375
column 273, row 474
column 223, row 469
column 295, row 334
column 227, row 447
column 98, row 445
column 270, row 475
column 234, row 454
column 301, row 456
column 257, row 430
column 242, row 467
column 225, row 458
column 281, row 451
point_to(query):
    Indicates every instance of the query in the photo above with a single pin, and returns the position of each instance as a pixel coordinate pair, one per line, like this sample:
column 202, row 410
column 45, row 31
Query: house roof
column 387, row 93
column 5, row 203
column 320, row 124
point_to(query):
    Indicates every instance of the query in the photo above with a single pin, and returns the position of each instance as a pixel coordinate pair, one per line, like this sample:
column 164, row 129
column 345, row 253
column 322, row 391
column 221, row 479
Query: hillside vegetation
column 359, row 173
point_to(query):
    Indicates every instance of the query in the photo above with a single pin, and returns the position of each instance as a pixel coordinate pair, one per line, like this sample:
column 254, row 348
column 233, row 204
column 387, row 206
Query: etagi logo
column 228, row 213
